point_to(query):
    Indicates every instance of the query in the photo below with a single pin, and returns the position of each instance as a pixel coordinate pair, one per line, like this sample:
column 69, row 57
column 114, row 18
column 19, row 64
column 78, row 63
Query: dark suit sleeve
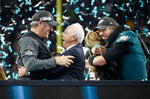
column 48, row 74
column 54, row 71
column 60, row 69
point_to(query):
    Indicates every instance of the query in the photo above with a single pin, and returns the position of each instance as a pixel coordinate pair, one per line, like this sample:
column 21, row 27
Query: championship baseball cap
column 44, row 16
column 105, row 22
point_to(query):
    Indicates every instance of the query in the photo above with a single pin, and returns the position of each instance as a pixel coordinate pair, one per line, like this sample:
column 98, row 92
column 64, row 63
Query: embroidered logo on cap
column 101, row 21
column 45, row 19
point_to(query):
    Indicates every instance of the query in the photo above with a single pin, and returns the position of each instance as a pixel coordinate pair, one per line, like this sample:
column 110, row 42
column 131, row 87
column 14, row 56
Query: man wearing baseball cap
column 33, row 54
column 44, row 16
column 105, row 22
column 124, row 47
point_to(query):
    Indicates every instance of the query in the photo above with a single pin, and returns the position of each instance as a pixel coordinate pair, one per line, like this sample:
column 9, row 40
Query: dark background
column 15, row 18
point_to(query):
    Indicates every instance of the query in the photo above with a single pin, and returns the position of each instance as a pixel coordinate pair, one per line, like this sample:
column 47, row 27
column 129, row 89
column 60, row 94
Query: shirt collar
column 70, row 46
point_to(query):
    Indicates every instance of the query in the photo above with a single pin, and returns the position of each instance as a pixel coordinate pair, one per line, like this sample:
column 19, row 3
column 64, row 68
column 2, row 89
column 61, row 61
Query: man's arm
column 58, row 70
column 28, row 49
column 115, row 52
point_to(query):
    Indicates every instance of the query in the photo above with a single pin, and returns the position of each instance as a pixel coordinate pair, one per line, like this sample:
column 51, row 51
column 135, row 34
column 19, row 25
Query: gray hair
column 34, row 23
column 77, row 30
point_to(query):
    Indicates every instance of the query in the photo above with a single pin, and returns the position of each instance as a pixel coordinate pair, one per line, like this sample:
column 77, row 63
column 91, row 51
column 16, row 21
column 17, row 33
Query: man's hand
column 64, row 60
column 98, row 50
column 21, row 71
column 103, row 49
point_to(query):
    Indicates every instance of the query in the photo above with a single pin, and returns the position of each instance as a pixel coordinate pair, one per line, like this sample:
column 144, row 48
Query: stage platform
column 51, row 89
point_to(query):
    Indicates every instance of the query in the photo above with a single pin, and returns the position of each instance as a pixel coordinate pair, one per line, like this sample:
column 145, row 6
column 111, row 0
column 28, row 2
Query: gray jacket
column 34, row 54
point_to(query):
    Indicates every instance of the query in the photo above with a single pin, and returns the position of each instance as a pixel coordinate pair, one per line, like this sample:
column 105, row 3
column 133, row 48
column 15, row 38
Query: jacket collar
column 113, row 36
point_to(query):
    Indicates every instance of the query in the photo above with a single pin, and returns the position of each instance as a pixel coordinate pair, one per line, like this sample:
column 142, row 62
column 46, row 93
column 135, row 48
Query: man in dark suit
column 72, row 41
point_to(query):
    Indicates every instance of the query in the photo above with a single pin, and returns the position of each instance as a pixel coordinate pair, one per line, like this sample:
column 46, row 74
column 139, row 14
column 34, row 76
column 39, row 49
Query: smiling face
column 46, row 28
column 67, row 38
column 104, row 34
column 72, row 35
column 42, row 29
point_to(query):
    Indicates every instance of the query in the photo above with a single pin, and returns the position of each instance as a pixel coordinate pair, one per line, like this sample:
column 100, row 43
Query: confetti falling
column 15, row 17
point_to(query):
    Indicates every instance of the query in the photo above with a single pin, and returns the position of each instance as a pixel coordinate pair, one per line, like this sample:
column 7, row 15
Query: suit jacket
column 73, row 72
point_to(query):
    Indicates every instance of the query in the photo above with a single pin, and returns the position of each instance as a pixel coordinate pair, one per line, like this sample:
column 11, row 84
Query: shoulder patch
column 123, row 38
